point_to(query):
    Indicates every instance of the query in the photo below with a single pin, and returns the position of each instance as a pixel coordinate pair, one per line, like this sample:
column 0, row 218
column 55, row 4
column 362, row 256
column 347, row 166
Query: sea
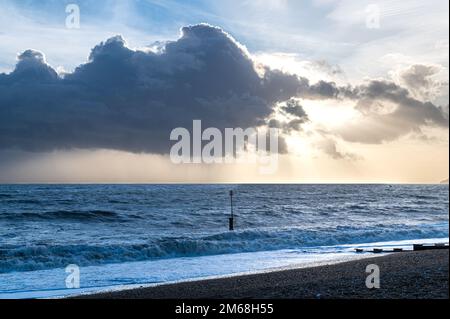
column 127, row 236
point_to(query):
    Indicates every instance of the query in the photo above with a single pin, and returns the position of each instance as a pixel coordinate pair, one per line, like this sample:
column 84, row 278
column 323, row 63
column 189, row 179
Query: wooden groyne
column 415, row 247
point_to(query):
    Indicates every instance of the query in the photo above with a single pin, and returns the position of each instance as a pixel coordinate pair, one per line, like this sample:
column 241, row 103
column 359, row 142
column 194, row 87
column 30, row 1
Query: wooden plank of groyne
column 417, row 247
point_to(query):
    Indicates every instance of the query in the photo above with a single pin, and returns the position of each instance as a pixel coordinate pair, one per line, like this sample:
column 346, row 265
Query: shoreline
column 408, row 275
column 306, row 265
column 187, row 269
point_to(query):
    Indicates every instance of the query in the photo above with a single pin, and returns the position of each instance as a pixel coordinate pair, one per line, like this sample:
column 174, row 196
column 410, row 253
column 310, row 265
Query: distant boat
column 445, row 181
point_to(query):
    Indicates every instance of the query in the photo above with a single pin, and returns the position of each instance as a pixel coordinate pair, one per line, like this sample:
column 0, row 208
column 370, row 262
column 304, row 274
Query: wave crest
column 26, row 258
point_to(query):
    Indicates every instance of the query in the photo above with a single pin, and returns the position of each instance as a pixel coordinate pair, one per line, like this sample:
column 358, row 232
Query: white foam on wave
column 51, row 283
column 48, row 256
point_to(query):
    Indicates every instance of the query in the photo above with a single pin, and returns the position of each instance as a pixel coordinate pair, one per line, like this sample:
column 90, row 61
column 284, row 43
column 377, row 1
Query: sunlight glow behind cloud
column 321, row 40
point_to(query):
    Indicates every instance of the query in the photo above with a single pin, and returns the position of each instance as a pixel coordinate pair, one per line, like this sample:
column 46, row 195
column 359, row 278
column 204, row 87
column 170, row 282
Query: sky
column 357, row 89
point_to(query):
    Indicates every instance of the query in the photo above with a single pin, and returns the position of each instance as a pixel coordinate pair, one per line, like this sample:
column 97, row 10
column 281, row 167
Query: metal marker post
column 231, row 219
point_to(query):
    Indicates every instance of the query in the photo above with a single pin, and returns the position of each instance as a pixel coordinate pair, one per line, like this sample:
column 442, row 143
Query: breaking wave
column 36, row 257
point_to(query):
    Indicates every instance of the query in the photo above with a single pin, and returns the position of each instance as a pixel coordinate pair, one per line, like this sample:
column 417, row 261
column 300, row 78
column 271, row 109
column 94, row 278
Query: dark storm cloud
column 293, row 107
column 321, row 90
column 130, row 100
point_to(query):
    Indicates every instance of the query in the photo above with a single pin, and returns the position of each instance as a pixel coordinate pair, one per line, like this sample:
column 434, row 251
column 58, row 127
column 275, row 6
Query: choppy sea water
column 136, row 234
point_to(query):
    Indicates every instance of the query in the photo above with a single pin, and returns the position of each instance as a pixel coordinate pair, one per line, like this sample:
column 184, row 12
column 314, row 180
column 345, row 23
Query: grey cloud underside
column 329, row 146
column 130, row 100
column 420, row 80
column 409, row 115
column 297, row 114
column 374, row 100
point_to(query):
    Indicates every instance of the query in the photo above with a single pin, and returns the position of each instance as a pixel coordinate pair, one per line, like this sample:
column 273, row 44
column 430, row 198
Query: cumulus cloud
column 130, row 100
column 389, row 111
column 293, row 107
column 294, row 117
column 329, row 146
column 420, row 79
